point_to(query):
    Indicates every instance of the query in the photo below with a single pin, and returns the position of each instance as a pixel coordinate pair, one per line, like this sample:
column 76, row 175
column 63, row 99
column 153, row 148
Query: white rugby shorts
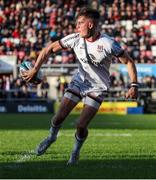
column 83, row 90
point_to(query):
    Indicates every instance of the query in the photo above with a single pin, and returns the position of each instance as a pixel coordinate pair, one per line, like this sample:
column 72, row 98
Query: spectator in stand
column 24, row 92
column 17, row 89
column 44, row 88
column 1, row 89
column 61, row 86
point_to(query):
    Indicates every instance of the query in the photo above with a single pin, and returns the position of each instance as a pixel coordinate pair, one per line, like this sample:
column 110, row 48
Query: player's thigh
column 91, row 106
column 69, row 101
column 86, row 116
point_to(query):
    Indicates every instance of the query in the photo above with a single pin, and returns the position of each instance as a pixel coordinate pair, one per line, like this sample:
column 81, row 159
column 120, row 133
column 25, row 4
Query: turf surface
column 117, row 147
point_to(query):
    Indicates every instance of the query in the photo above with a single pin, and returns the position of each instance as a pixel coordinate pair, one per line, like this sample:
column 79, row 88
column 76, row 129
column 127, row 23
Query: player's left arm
column 133, row 90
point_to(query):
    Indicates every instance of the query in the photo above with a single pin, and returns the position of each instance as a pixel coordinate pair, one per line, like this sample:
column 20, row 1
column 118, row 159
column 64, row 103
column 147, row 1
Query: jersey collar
column 97, row 37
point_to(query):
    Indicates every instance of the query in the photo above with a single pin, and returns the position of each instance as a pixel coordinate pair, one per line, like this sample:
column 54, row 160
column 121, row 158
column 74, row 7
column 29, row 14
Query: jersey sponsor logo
column 91, row 60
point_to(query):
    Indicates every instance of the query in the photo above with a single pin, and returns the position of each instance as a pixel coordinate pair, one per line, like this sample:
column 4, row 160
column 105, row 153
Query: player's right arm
column 43, row 57
column 67, row 42
column 45, row 53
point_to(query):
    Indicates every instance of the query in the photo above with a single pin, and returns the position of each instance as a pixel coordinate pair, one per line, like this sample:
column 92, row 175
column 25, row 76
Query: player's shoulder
column 107, row 38
column 72, row 36
column 70, row 41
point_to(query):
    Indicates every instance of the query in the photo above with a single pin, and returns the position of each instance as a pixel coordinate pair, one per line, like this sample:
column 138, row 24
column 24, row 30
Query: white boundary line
column 26, row 156
column 99, row 134
column 23, row 158
column 29, row 154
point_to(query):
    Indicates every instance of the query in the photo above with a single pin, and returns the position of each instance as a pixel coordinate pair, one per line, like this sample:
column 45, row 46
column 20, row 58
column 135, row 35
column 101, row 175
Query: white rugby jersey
column 94, row 57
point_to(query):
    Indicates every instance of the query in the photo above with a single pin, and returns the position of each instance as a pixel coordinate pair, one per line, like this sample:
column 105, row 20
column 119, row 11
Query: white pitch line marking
column 23, row 158
column 26, row 156
column 114, row 134
column 99, row 134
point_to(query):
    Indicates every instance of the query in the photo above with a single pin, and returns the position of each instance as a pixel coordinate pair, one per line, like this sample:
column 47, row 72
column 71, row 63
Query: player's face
column 84, row 26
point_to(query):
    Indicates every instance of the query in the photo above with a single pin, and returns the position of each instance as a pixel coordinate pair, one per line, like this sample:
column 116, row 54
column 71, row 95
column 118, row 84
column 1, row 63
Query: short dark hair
column 89, row 13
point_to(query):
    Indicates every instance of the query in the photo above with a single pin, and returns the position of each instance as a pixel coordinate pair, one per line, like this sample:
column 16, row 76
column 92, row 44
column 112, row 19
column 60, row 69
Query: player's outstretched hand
column 132, row 93
column 28, row 75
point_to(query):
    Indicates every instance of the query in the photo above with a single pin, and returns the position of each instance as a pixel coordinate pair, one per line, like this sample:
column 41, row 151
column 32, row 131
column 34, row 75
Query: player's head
column 87, row 22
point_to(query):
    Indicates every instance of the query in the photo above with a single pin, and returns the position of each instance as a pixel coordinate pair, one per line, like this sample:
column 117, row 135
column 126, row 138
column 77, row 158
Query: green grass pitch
column 118, row 146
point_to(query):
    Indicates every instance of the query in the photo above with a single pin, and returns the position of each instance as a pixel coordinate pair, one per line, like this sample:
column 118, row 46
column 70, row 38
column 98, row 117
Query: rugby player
column 94, row 52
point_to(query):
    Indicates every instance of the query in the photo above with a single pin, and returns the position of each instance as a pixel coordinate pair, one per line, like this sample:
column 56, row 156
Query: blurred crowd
column 29, row 25
column 119, row 84
column 147, row 81
column 17, row 88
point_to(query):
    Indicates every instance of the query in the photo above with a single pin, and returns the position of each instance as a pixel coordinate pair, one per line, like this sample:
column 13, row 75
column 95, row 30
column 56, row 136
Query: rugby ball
column 27, row 65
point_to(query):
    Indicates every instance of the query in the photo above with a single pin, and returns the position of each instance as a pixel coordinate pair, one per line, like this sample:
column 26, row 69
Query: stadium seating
column 27, row 27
